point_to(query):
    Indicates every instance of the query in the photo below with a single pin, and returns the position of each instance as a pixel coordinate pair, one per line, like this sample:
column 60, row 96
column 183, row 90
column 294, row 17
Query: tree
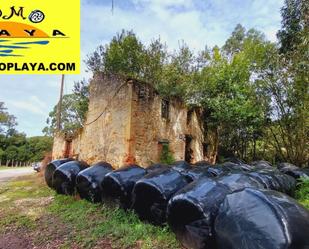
column 287, row 84
column 7, row 121
column 74, row 109
column 126, row 55
column 295, row 18
column 123, row 55
column 37, row 147
column 234, row 43
column 2, row 154
column 226, row 89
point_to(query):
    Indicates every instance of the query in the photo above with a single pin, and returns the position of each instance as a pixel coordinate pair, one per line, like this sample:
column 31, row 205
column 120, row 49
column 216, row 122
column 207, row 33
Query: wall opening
column 165, row 108
column 68, row 149
column 188, row 150
column 189, row 116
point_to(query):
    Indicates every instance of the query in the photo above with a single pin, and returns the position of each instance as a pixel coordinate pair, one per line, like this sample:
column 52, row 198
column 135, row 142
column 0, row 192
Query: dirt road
column 7, row 174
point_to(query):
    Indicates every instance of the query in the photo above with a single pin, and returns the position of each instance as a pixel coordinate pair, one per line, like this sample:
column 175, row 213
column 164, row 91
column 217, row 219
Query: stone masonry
column 128, row 122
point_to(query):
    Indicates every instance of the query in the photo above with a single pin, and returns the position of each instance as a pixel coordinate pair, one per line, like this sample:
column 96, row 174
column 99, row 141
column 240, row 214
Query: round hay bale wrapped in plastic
column 234, row 160
column 64, row 178
column 287, row 166
column 88, row 181
column 50, row 169
column 197, row 172
column 202, row 163
column 152, row 193
column 118, row 185
column 192, row 211
column 275, row 180
column 261, row 219
column 262, row 164
column 234, row 167
column 294, row 171
column 181, row 166
column 237, row 181
column 155, row 166
column 226, row 168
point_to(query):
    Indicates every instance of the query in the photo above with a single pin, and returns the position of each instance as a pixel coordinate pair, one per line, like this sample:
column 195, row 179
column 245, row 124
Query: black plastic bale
column 225, row 168
column 191, row 212
column 202, row 163
column 88, row 181
column 263, row 219
column 181, row 166
column 154, row 167
column 118, row 185
column 293, row 171
column 262, row 164
column 275, row 180
column 152, row 193
column 64, row 178
column 234, row 167
column 234, row 160
column 286, row 165
column 238, row 181
column 197, row 172
column 217, row 170
column 50, row 169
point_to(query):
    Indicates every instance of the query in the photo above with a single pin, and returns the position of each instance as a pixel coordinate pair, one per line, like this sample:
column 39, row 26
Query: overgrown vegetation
column 302, row 193
column 30, row 205
column 166, row 155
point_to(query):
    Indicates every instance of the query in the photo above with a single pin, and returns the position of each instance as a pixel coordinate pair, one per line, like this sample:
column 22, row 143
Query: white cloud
column 32, row 104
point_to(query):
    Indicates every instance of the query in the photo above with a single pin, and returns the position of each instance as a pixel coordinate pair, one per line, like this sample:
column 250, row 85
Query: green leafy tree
column 73, row 111
column 287, row 84
column 295, row 18
column 7, row 121
column 226, row 89
column 123, row 55
column 37, row 147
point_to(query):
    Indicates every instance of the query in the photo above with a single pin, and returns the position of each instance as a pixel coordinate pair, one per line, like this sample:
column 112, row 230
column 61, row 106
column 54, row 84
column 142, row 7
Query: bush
column 166, row 156
column 302, row 194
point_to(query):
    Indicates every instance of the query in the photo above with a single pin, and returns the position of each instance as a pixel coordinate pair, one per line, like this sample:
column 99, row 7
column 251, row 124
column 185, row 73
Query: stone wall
column 151, row 129
column 59, row 146
column 124, row 125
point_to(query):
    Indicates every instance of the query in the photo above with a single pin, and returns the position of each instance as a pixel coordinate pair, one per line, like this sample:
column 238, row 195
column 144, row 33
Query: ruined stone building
column 128, row 122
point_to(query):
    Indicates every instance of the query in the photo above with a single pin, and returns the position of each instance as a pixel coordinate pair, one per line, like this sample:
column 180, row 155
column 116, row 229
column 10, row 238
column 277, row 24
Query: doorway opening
column 188, row 150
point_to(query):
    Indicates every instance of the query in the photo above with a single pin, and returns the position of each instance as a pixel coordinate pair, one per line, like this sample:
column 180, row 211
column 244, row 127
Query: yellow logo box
column 39, row 37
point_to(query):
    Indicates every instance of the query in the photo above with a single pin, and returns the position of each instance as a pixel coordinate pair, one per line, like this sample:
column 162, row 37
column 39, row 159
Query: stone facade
column 127, row 122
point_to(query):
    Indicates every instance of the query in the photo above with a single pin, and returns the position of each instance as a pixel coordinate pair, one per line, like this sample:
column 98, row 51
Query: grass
column 27, row 203
column 302, row 193
column 4, row 167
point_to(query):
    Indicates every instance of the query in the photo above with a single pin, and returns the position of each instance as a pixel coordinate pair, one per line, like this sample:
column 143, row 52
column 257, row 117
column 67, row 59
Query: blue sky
column 197, row 22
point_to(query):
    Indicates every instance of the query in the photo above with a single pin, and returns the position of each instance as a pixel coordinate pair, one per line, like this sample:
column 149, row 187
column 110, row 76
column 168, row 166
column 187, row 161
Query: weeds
column 302, row 194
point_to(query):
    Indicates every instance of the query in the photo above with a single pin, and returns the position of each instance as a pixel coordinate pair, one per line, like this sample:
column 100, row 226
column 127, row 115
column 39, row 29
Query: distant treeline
column 15, row 148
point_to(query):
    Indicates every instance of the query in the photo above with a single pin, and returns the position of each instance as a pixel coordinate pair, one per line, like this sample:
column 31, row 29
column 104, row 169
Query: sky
column 197, row 22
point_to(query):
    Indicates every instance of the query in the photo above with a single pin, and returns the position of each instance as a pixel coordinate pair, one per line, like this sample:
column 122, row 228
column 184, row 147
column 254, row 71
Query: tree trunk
column 212, row 138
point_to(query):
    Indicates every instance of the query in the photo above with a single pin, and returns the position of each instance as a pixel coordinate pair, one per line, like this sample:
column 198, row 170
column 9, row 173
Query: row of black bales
column 207, row 206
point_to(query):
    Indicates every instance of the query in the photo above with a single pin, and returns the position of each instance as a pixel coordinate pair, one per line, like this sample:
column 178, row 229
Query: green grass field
column 28, row 206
